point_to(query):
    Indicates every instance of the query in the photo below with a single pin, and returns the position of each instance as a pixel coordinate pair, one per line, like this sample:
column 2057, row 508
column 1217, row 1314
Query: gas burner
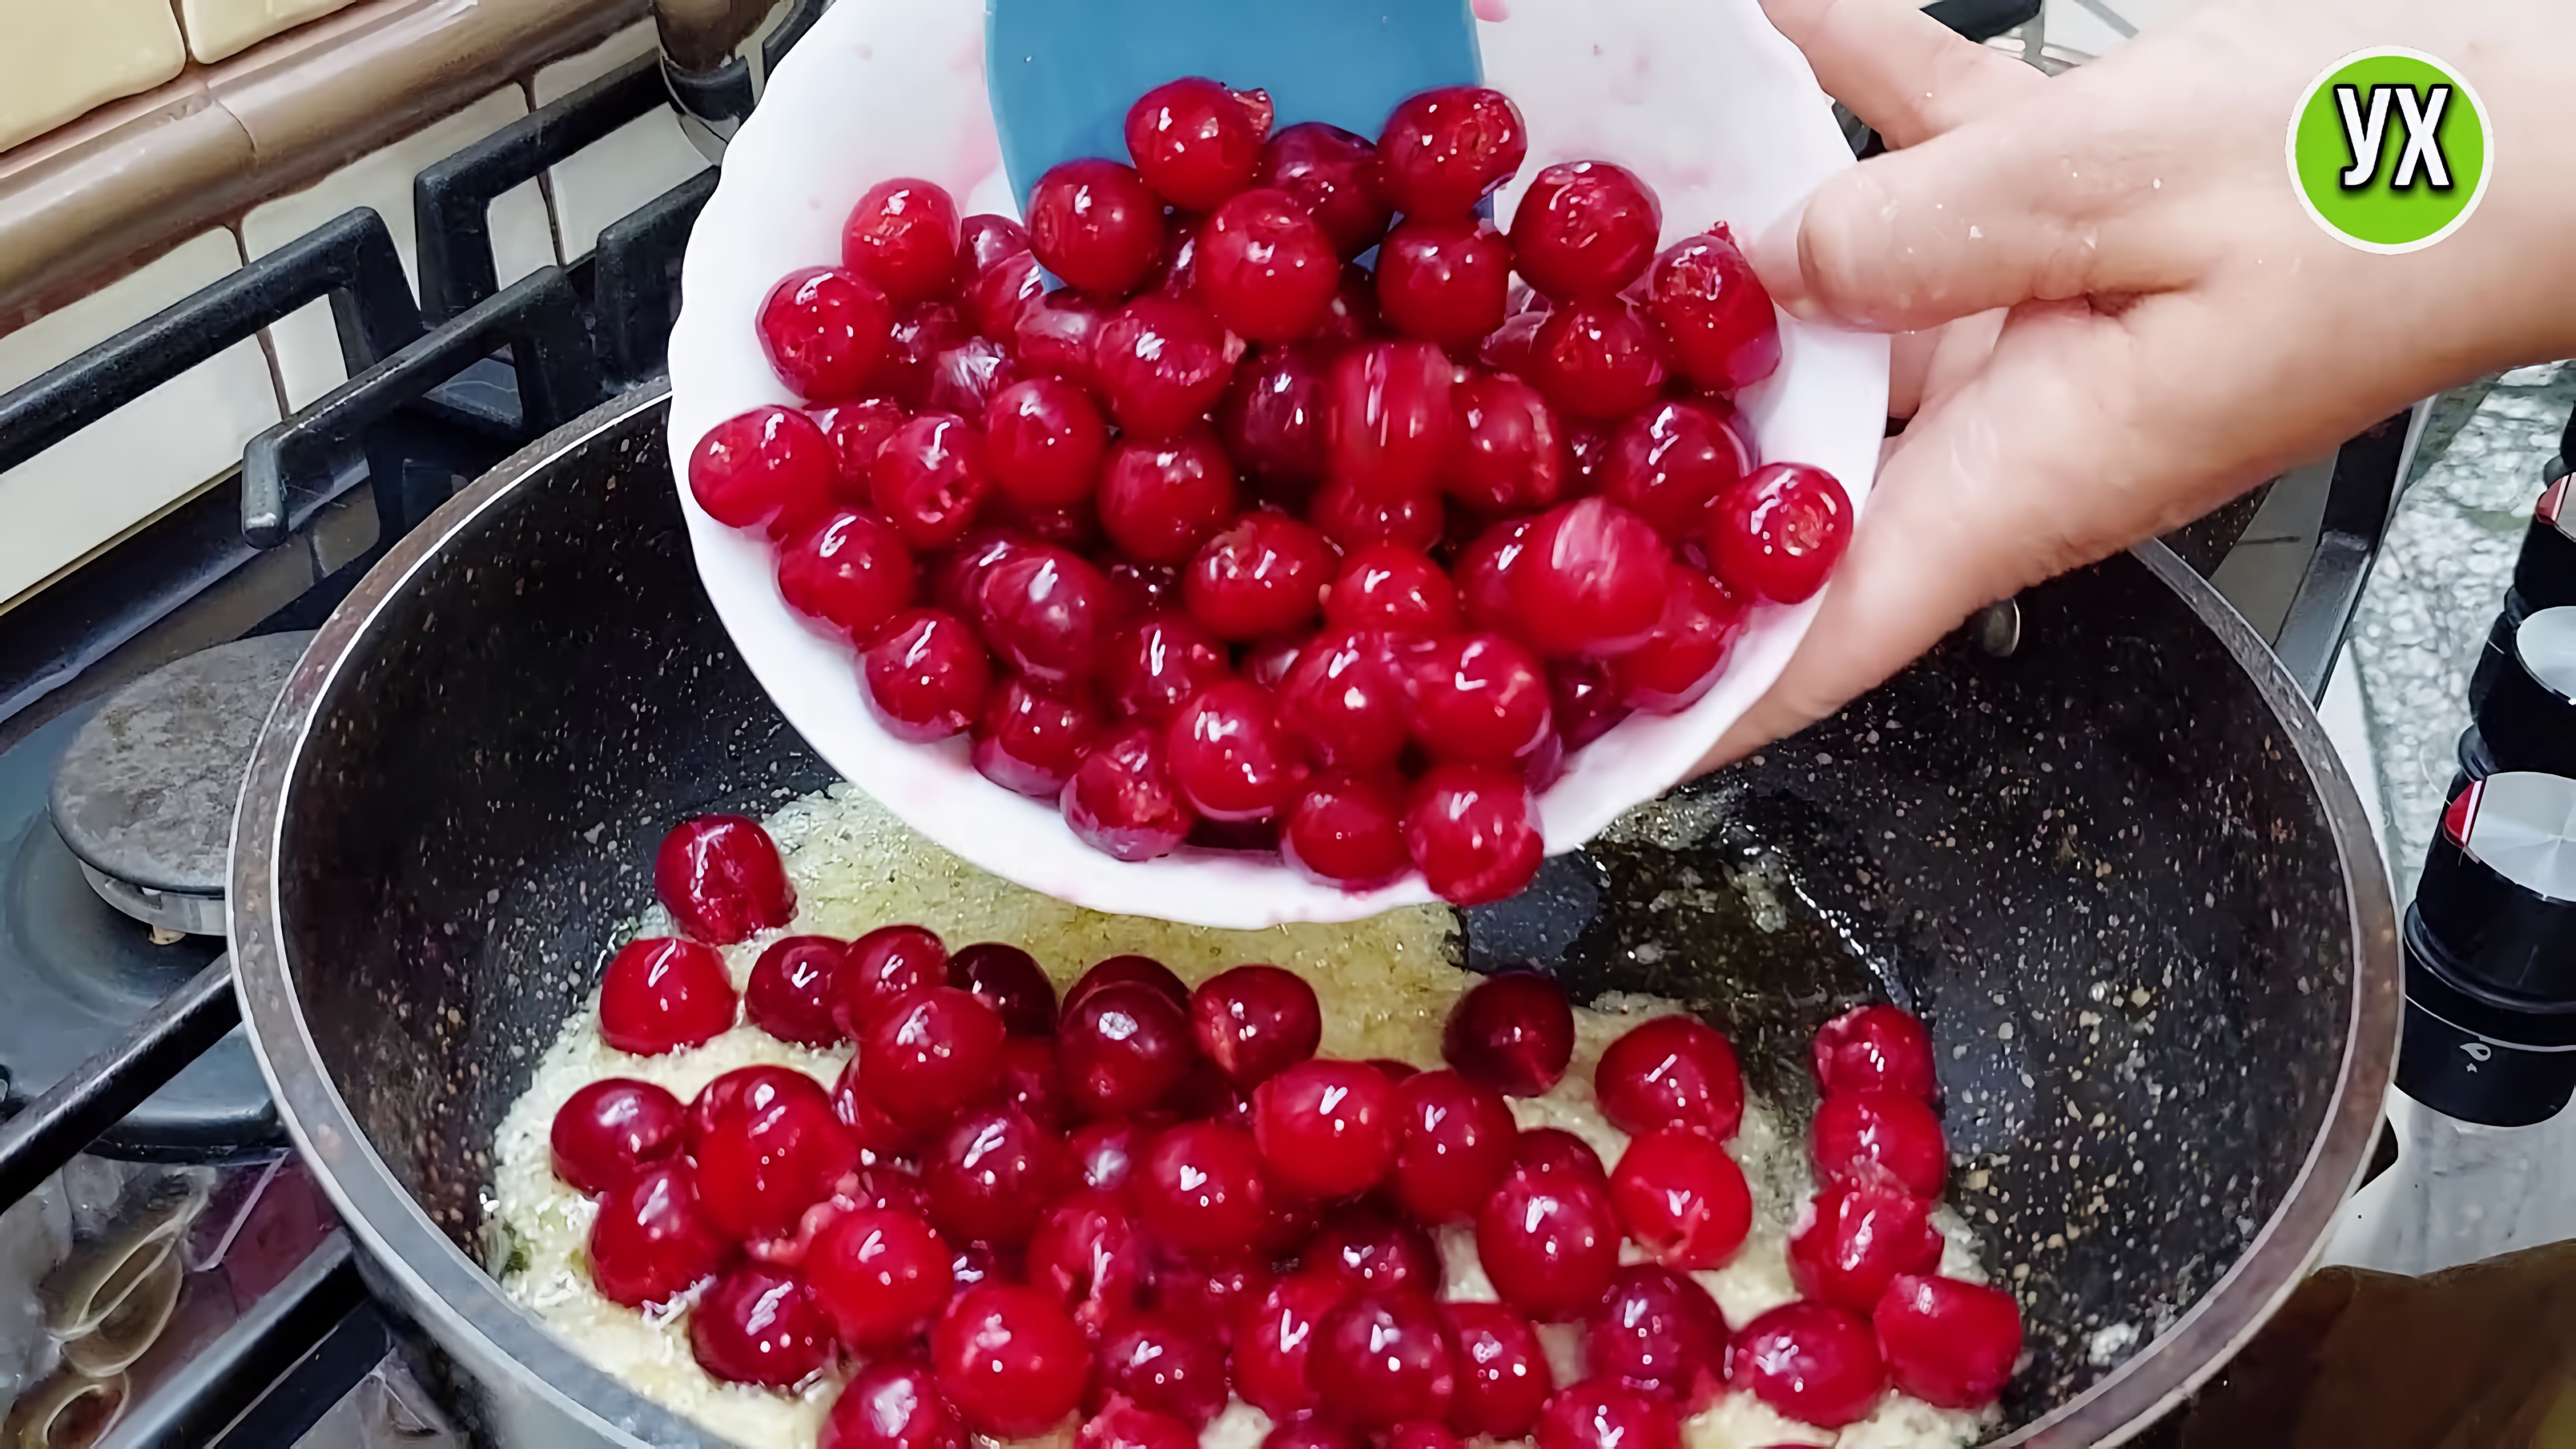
column 144, row 795
column 115, row 824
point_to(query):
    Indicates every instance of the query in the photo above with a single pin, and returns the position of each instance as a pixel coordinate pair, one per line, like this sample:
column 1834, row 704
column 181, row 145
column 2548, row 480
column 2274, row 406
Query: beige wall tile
column 624, row 169
column 58, row 58
column 218, row 28
column 127, row 466
column 308, row 349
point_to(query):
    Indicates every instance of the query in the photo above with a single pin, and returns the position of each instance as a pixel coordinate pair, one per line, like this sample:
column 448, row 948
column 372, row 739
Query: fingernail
column 1774, row 255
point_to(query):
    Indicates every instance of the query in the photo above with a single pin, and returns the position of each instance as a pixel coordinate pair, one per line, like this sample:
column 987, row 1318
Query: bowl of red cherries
column 1277, row 521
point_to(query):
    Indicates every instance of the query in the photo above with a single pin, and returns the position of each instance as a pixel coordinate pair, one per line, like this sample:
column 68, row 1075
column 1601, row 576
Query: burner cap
column 144, row 795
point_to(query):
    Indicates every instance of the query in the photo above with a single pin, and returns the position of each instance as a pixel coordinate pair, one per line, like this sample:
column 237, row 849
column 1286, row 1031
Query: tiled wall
column 128, row 468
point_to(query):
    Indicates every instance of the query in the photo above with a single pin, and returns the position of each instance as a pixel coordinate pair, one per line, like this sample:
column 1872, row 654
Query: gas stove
column 178, row 1279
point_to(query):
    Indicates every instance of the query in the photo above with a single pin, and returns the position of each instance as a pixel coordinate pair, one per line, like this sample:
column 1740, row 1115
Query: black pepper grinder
column 2490, row 946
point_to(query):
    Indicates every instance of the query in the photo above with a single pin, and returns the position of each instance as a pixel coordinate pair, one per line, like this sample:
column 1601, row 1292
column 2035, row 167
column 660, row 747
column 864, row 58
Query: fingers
column 1993, row 490
column 1907, row 75
column 1924, row 367
column 1991, row 215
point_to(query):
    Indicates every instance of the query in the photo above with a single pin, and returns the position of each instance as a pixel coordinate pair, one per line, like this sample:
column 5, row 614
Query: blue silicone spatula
column 1063, row 72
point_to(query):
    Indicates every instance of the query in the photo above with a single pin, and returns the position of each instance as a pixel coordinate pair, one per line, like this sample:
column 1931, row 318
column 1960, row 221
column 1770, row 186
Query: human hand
column 2112, row 312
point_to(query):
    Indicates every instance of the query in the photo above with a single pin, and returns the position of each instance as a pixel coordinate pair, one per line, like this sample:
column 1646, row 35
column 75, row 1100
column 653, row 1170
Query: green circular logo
column 2389, row 150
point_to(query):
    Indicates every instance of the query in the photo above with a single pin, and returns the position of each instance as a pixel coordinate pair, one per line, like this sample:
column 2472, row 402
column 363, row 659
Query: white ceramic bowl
column 1702, row 98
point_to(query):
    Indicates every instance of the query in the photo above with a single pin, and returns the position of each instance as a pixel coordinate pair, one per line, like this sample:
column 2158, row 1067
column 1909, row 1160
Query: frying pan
column 2112, row 862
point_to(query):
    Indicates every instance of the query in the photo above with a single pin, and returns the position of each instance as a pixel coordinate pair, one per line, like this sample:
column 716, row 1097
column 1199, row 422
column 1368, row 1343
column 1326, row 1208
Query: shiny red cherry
column 1584, row 696
column 1683, row 658
column 1152, row 669
column 1594, row 580
column 1682, row 1198
column 660, row 995
column 1549, row 1242
column 1347, row 830
column 1778, row 534
column 931, row 1052
column 1274, row 1344
column 1667, row 463
column 1353, row 520
column 1091, row 1257
column 1550, row 1151
column 1858, row 1135
column 930, row 478
column 1373, row 1250
column 1255, row 1021
column 1326, row 1128
column 1473, row 832
column 1948, row 1343
column 892, row 1404
column 1443, row 279
column 1122, row 1423
column 1031, row 740
column 1715, row 316
column 902, row 236
column 1058, row 334
column 770, row 1148
column 1123, row 801
column 1479, row 699
column 998, row 297
column 1597, row 359
column 1352, row 318
column 1341, row 704
column 1010, row 981
column 1163, row 1366
column 1229, row 756
column 921, row 332
column 1387, row 419
column 1204, row 1294
column 1162, row 364
column 1045, row 611
column 824, row 329
column 1159, row 501
column 1454, row 1142
column 1671, row 1071
column 1815, row 1363
column 1602, row 1413
column 1095, row 223
column 1507, row 452
column 1043, row 442
column 1875, row 1048
column 1201, row 1187
column 1380, row 1359
column 927, row 675
column 879, row 1136
column 791, row 993
column 964, row 378
column 1585, row 229
column 1265, row 575
column 1032, row 1083
column 1265, row 267
column 1273, row 421
column 770, row 468
column 1195, row 142
column 1010, row 1361
column 1484, row 571
column 651, row 1242
column 1141, row 590
column 1123, row 1048
column 1333, row 174
column 1445, row 150
column 605, row 1131
column 1856, row 1238
column 879, row 1274
column 1659, row 1331
column 1313, row 1434
column 1513, row 1032
column 721, row 879
column 758, row 1326
column 1105, row 1151
column 991, row 1176
column 985, row 241
column 857, row 430
column 850, row 571
column 1385, row 587
column 1502, row 1368
column 882, row 965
